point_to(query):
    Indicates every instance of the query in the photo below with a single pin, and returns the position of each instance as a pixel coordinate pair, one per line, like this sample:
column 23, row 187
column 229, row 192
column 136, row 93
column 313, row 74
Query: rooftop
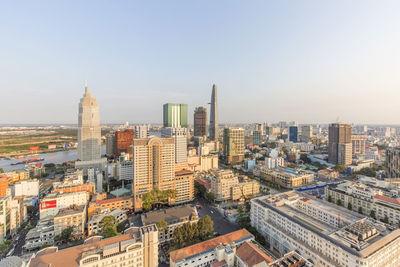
column 105, row 201
column 71, row 210
column 237, row 236
column 171, row 215
column 251, row 254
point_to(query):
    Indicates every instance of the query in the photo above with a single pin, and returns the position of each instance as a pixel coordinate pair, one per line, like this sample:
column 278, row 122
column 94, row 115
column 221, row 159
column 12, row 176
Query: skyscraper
column 89, row 131
column 200, row 121
column 175, row 115
column 234, row 145
column 179, row 136
column 306, row 133
column 214, row 115
column 293, row 133
column 340, row 146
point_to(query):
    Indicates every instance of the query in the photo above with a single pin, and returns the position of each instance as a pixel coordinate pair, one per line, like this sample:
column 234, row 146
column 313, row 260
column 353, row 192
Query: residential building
column 249, row 254
column 306, row 133
column 175, row 115
column 233, row 145
column 179, row 135
column 17, row 175
column 124, row 142
column 200, row 121
column 393, row 163
column 93, row 224
column 203, row 163
column 11, row 216
column 323, row 233
column 293, row 134
column 141, row 131
column 125, row 170
column 73, row 216
column 215, row 250
column 111, row 144
column 257, row 138
column 5, row 181
column 40, row 236
column 358, row 144
column 214, row 131
column 87, row 187
column 339, row 144
column 272, row 163
column 328, row 174
column 53, row 202
column 25, row 188
column 98, row 206
column 174, row 217
column 137, row 247
column 183, row 185
column 287, row 177
column 89, row 131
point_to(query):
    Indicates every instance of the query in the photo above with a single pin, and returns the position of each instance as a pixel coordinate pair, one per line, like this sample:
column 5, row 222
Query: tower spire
column 86, row 88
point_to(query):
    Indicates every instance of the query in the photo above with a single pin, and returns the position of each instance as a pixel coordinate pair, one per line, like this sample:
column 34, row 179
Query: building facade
column 200, row 121
column 339, row 144
column 393, row 163
column 124, row 141
column 286, row 177
column 214, row 131
column 175, row 115
column 233, row 147
column 75, row 217
column 180, row 139
column 293, row 134
column 306, row 133
column 358, row 144
column 53, row 202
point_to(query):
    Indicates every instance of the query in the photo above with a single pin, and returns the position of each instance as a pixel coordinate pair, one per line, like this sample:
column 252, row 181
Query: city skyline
column 281, row 61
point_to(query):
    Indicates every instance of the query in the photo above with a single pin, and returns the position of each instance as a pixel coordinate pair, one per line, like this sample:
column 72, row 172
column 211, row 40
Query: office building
column 179, row 135
column 306, row 133
column 125, row 170
column 141, row 131
column 339, row 144
column 175, row 115
column 233, row 147
column 200, row 121
column 89, row 131
column 124, row 142
column 257, row 138
column 323, row 233
column 358, row 144
column 111, row 144
column 53, row 202
column 293, row 134
column 174, row 217
column 75, row 217
column 393, row 162
column 215, row 250
column 214, row 131
column 286, row 177
column 137, row 247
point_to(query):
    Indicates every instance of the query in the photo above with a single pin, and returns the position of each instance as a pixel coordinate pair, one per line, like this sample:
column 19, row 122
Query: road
column 221, row 224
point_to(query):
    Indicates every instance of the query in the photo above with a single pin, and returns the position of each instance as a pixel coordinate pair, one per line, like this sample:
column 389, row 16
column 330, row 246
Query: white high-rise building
column 141, row 131
column 89, row 131
column 180, row 137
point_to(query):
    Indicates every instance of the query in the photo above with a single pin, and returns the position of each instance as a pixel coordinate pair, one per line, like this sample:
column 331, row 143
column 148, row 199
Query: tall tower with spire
column 89, row 131
column 214, row 115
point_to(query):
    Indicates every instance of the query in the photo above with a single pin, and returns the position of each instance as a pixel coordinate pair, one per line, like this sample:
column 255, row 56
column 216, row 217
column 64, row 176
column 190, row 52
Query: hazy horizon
column 310, row 62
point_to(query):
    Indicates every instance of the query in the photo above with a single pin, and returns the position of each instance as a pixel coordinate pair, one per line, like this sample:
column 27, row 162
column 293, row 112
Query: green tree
column 162, row 225
column 386, row 219
column 110, row 231
column 360, row 210
column 205, row 227
column 340, row 168
column 108, row 221
column 121, row 227
column 1, row 170
column 372, row 214
column 349, row 206
column 66, row 234
column 339, row 202
column 329, row 198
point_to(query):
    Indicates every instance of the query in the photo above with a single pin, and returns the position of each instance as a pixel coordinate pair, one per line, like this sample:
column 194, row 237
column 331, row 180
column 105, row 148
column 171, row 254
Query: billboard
column 51, row 146
column 33, row 148
column 48, row 204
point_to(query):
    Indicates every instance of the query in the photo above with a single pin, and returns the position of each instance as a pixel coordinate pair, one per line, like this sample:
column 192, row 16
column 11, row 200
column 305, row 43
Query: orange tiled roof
column 209, row 244
column 105, row 201
column 387, row 199
column 218, row 263
column 251, row 254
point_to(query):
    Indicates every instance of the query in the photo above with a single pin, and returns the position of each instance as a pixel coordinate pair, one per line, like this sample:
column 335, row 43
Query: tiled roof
column 387, row 199
column 251, row 254
column 218, row 263
column 105, row 201
column 209, row 244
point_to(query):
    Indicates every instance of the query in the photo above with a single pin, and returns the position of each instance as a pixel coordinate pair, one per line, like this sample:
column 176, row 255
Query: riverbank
column 28, row 153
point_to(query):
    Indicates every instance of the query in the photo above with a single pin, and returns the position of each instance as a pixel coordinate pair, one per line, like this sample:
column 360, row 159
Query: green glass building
column 175, row 115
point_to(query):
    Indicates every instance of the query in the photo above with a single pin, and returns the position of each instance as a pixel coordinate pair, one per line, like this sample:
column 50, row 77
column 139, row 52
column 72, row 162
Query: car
column 199, row 207
column 211, row 211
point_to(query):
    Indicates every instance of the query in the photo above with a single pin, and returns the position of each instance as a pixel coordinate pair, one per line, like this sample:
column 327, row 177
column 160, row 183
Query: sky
column 307, row 61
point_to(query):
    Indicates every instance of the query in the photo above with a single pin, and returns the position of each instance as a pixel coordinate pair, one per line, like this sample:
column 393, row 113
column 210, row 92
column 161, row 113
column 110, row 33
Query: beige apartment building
column 233, row 145
column 137, row 247
column 358, row 144
column 286, row 178
column 74, row 217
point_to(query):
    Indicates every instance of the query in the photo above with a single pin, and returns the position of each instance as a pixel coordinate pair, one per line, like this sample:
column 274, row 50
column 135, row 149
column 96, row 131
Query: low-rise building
column 174, row 217
column 86, row 187
column 184, row 186
column 137, row 247
column 74, row 216
column 12, row 212
column 287, row 177
column 41, row 235
column 53, row 202
column 272, row 163
column 328, row 174
column 123, row 203
column 94, row 221
column 215, row 250
column 25, row 188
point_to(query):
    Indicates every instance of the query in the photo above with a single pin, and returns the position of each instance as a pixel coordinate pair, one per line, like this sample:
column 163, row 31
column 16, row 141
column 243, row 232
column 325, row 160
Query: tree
column 110, row 231
column 157, row 196
column 121, row 227
column 386, row 219
column 107, row 222
column 66, row 234
column 339, row 202
column 372, row 214
column 240, row 210
column 349, row 206
column 360, row 210
column 340, row 168
column 162, row 225
column 1, row 170
column 205, row 227
column 329, row 198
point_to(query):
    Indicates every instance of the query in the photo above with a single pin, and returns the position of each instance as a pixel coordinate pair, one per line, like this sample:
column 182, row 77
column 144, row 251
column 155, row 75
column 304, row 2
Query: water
column 55, row 157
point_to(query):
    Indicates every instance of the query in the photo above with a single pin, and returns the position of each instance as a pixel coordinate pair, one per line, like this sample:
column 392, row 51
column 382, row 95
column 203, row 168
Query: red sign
column 32, row 148
column 48, row 204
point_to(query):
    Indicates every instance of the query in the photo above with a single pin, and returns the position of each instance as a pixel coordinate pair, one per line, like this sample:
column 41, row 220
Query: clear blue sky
column 308, row 61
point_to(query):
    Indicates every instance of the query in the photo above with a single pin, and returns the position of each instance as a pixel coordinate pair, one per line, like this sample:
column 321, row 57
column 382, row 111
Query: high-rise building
column 293, row 133
column 358, row 144
column 340, row 146
column 89, row 131
column 393, row 162
column 124, row 141
column 214, row 133
column 200, row 121
column 257, row 137
column 306, row 133
column 111, row 144
column 259, row 127
column 175, row 115
column 154, row 168
column 141, row 131
column 180, row 138
column 233, row 145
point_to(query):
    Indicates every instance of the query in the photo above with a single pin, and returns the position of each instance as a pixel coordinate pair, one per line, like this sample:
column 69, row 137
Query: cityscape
column 197, row 179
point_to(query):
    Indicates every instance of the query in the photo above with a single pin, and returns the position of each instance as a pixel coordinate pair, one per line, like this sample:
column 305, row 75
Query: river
column 55, row 157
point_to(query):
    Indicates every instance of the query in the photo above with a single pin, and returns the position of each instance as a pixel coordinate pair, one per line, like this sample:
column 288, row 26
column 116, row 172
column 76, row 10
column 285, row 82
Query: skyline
column 269, row 65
